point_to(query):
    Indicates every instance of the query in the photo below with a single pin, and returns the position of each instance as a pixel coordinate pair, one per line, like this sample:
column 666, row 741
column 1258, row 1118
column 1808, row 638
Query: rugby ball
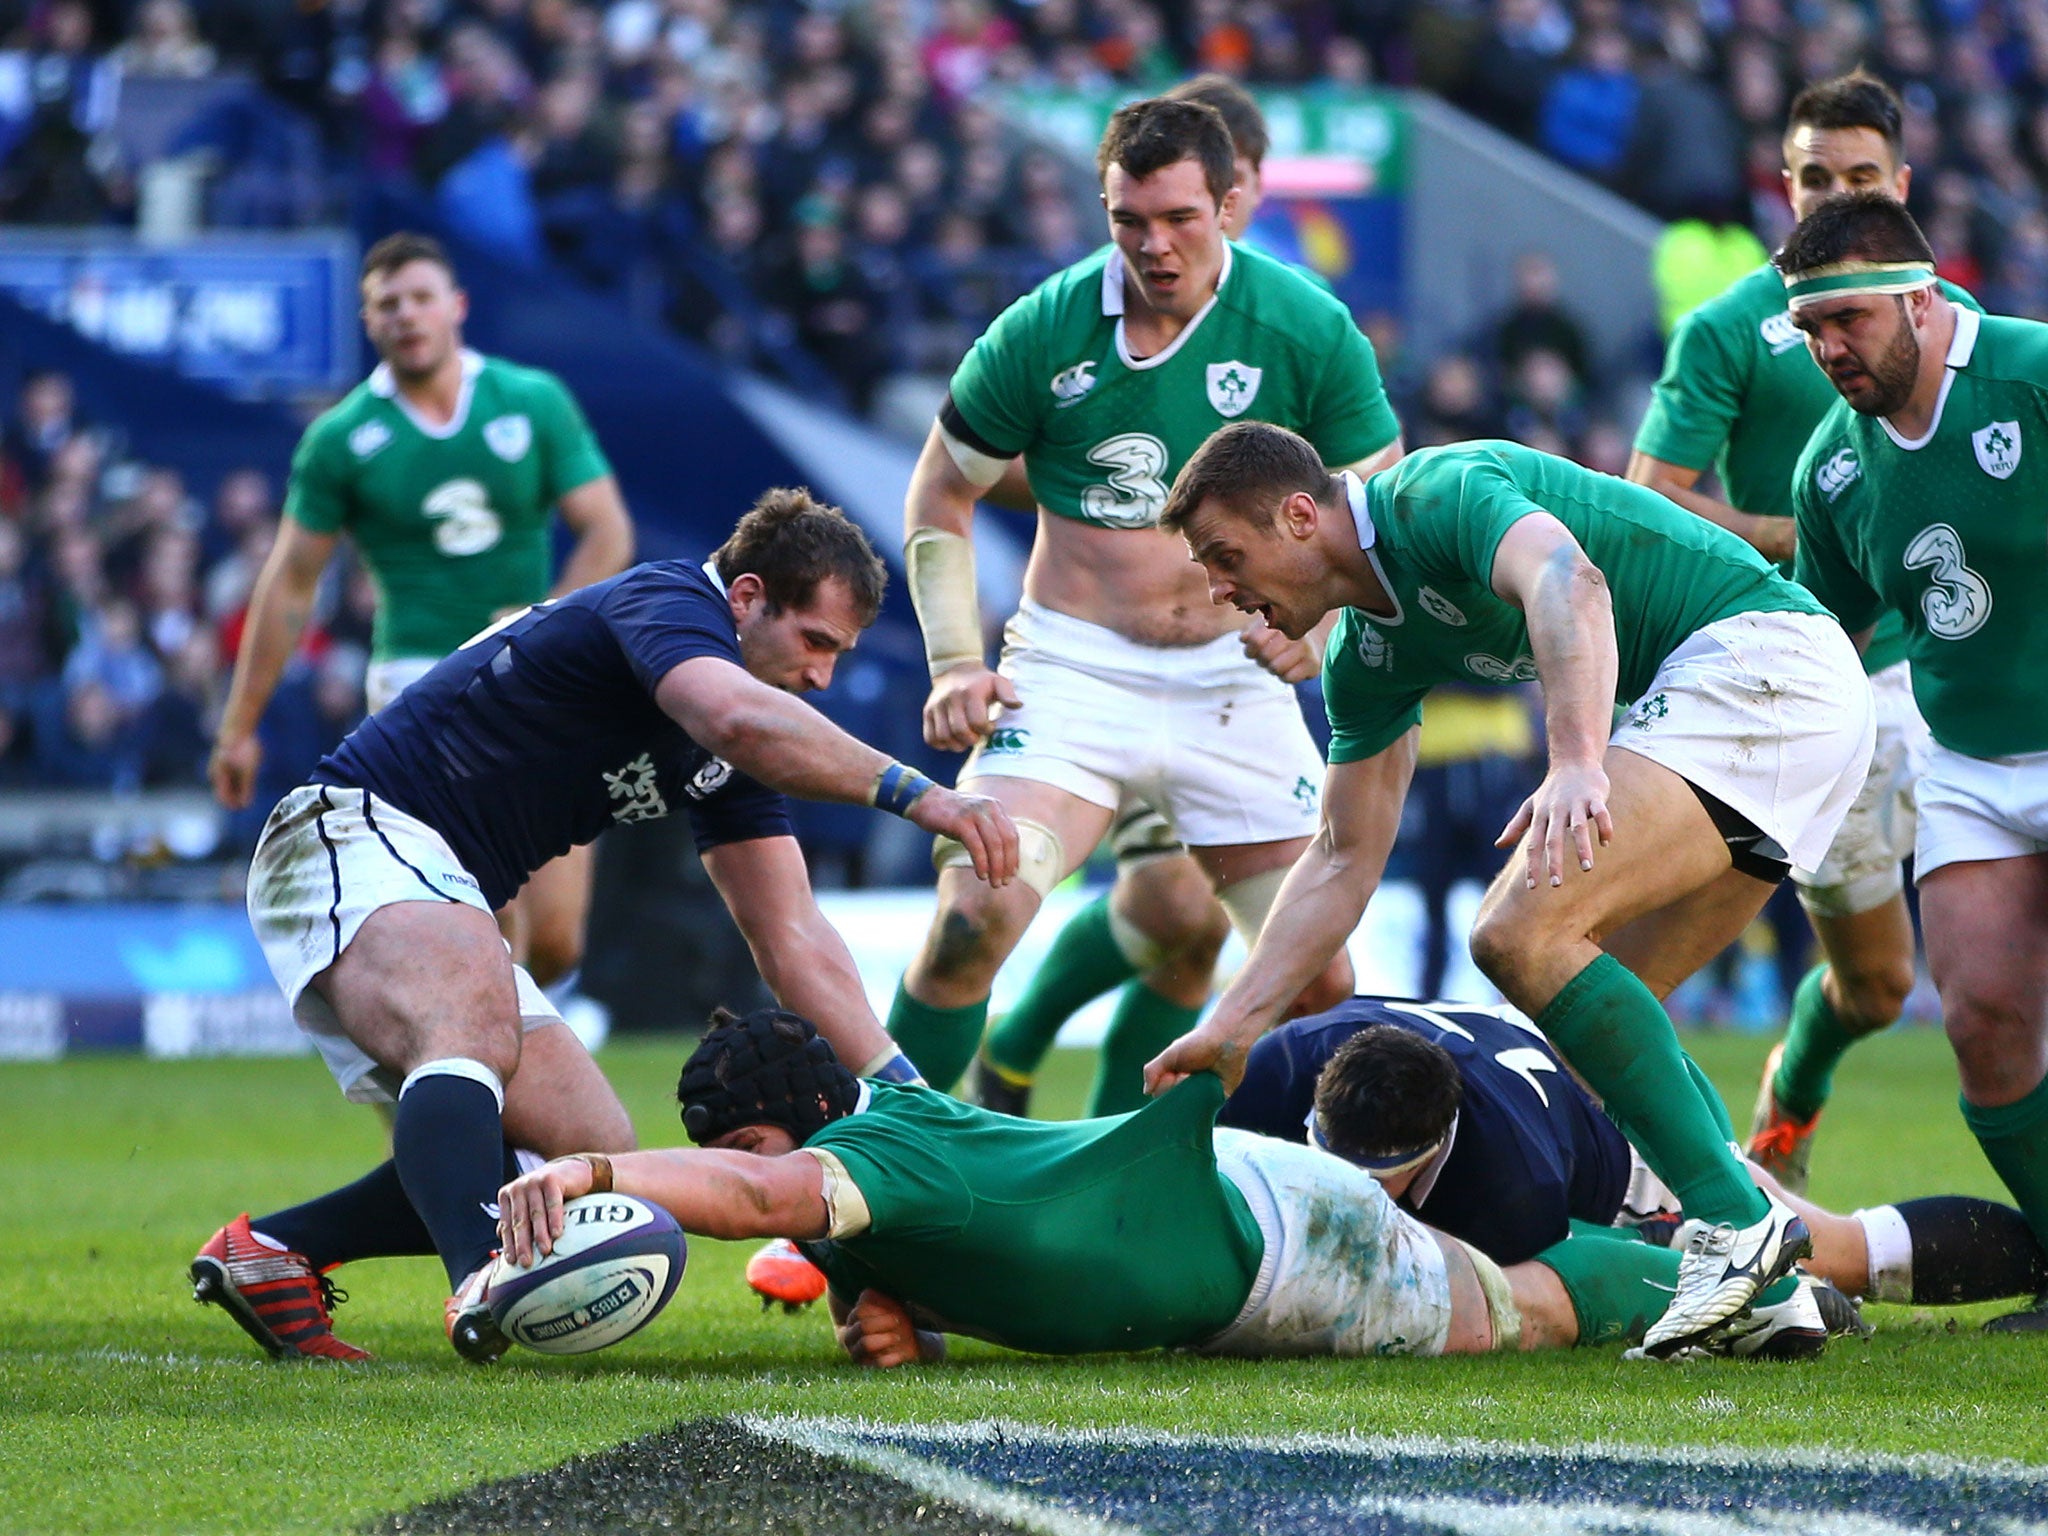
column 614, row 1267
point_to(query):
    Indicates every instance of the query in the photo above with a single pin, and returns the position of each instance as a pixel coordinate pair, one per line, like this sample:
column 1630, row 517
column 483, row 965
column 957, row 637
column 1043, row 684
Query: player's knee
column 1987, row 1030
column 1169, row 917
column 1873, row 998
column 1500, row 944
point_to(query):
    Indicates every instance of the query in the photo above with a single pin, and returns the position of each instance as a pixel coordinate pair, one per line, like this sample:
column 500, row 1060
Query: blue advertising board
column 258, row 315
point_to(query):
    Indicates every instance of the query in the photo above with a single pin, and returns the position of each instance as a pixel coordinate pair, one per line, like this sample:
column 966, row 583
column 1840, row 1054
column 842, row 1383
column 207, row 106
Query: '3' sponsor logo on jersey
column 464, row 523
column 1135, row 494
column 1958, row 602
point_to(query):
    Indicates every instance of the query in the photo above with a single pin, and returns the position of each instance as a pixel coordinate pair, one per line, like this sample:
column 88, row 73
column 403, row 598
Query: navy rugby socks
column 448, row 1143
column 369, row 1219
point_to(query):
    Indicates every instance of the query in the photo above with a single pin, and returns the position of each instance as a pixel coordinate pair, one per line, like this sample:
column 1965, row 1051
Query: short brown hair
column 402, row 249
column 1249, row 468
column 1853, row 226
column 1241, row 115
column 793, row 542
column 1854, row 100
column 1148, row 136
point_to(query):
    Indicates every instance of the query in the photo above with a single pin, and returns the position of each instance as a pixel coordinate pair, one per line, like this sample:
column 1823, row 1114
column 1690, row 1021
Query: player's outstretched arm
column 710, row 1193
column 938, row 560
column 1540, row 568
column 785, row 744
column 1318, row 907
column 801, row 956
column 278, row 609
column 877, row 1330
column 596, row 515
column 1775, row 538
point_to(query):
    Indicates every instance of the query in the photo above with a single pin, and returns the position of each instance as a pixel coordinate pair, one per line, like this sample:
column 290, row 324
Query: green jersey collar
column 1113, row 305
column 383, row 383
column 1962, row 346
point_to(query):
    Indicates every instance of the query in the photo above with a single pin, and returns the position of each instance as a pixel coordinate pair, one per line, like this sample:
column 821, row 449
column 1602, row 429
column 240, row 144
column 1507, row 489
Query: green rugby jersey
column 1740, row 393
column 1104, row 433
column 1061, row 1238
column 453, row 522
column 1951, row 533
column 1432, row 524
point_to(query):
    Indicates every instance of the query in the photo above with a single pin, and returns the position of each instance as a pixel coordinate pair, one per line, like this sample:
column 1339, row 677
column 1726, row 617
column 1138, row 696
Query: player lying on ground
column 1155, row 1229
column 1653, row 843
column 1471, row 1122
column 372, row 888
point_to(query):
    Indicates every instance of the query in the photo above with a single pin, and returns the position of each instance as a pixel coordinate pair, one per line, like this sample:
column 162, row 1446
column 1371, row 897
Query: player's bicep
column 943, row 490
column 1532, row 546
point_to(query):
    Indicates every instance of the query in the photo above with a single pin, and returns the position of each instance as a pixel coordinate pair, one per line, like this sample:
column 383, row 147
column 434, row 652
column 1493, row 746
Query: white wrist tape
column 940, row 566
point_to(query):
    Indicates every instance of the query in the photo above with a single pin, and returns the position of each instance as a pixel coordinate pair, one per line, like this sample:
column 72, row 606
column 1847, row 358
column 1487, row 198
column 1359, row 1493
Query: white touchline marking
column 842, row 1439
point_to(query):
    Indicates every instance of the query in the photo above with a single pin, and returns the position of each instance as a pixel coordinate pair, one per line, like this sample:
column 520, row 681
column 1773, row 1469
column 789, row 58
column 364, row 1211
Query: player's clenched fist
column 1292, row 661
column 879, row 1332
column 962, row 706
column 978, row 823
column 232, row 770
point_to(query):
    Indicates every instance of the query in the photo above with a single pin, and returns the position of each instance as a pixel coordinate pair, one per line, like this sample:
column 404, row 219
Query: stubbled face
column 1171, row 233
column 1866, row 345
column 795, row 649
column 1262, row 571
column 413, row 316
column 1820, row 162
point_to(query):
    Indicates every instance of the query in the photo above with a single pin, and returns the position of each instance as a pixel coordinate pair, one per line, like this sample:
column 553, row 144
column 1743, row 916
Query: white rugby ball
column 613, row 1268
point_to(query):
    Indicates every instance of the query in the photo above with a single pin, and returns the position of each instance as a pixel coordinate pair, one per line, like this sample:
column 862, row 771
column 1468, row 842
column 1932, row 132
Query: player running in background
column 1161, row 917
column 1117, row 675
column 443, row 467
column 1646, row 848
column 1471, row 1121
column 668, row 687
column 1740, row 393
column 1155, row 1229
column 1918, row 496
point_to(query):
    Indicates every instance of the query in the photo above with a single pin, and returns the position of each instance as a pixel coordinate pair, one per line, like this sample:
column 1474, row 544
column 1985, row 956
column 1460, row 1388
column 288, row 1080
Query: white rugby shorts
column 1861, row 871
column 1770, row 714
column 386, row 680
column 1202, row 732
column 1346, row 1271
column 1975, row 808
column 327, row 859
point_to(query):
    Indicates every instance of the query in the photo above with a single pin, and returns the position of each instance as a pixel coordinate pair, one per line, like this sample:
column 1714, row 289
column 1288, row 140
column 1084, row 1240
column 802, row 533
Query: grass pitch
column 124, row 1407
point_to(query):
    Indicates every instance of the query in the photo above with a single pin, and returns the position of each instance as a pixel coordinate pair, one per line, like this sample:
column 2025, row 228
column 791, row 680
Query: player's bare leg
column 1986, row 926
column 1247, row 877
column 1540, row 945
column 942, row 1002
column 1859, row 988
column 427, row 989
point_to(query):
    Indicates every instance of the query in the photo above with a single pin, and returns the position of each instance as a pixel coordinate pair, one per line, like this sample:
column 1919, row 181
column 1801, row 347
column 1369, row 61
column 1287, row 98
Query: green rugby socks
column 2015, row 1140
column 1144, row 1025
column 1612, row 1029
column 1618, row 1289
column 1815, row 1043
column 939, row 1041
column 1083, row 963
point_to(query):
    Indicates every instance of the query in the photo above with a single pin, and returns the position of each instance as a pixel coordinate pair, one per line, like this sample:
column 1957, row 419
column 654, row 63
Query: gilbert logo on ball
column 614, row 1267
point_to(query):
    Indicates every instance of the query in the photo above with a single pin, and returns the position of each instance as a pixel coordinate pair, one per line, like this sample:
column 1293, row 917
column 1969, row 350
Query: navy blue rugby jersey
column 539, row 734
column 1531, row 1150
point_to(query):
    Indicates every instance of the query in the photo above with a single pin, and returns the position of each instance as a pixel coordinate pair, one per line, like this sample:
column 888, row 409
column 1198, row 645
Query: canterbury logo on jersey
column 1780, row 334
column 1072, row 384
column 634, row 785
column 1837, row 473
column 368, row 438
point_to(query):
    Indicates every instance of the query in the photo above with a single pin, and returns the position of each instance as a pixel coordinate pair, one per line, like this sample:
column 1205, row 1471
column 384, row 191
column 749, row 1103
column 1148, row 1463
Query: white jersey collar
column 1368, row 536
column 1961, row 347
column 1425, row 1181
column 1113, row 305
column 384, row 384
column 710, row 569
